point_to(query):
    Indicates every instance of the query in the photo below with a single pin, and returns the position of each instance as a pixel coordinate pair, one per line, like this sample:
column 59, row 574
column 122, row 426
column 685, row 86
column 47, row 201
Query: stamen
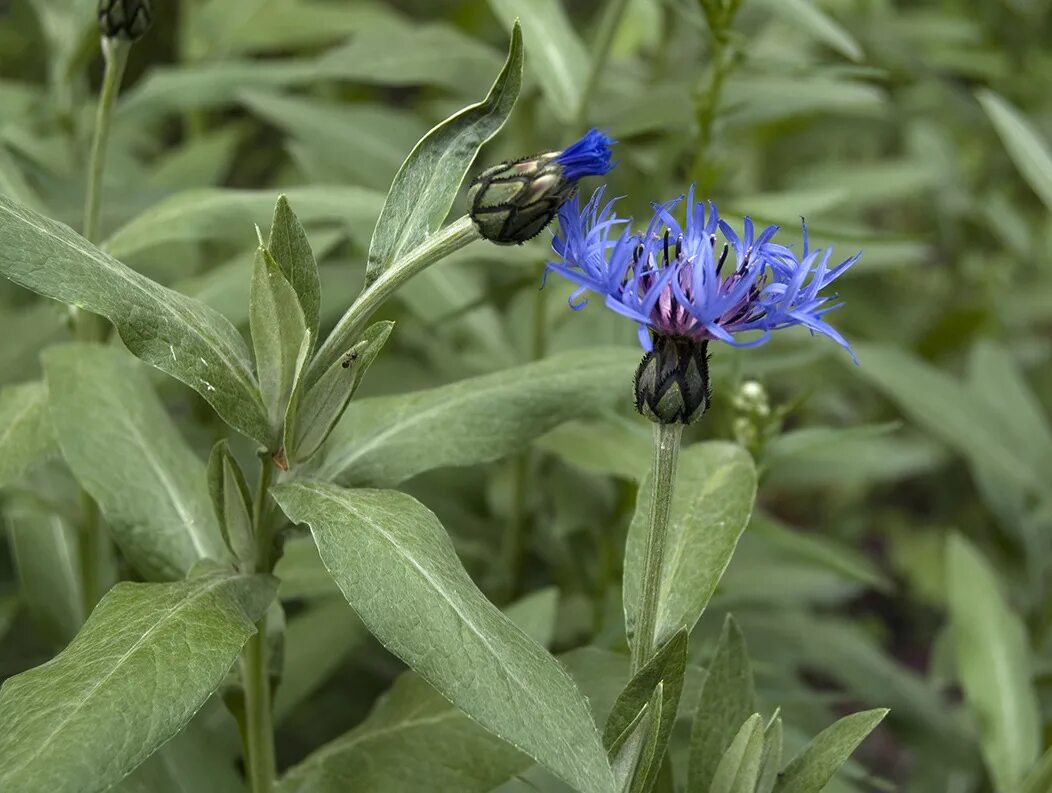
column 666, row 247
column 679, row 246
column 723, row 258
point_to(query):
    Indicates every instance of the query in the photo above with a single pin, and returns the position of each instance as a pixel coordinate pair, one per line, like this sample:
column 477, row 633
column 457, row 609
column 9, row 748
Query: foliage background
column 912, row 130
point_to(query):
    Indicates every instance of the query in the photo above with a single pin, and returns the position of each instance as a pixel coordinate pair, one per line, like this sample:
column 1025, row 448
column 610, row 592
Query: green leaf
column 817, row 23
column 25, row 431
column 414, row 741
column 739, row 768
column 711, row 504
column 635, row 750
column 225, row 214
column 126, row 683
column 289, row 247
column 278, row 333
column 726, row 701
column 1026, row 148
column 47, row 558
column 556, row 51
column 180, row 336
column 396, row 566
column 952, row 413
column 128, row 455
column 192, row 762
column 993, row 661
column 813, row 768
column 666, row 669
column 231, row 502
column 428, row 181
column 535, row 614
column 1039, row 780
column 316, row 411
column 771, row 764
column 386, row 440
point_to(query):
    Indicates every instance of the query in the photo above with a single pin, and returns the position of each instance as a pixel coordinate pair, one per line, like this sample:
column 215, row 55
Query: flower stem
column 662, row 485
column 260, row 765
column 442, row 243
column 115, row 52
column 85, row 325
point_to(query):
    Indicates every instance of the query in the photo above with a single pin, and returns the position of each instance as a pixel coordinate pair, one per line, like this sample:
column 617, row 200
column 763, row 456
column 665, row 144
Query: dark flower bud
column 124, row 19
column 512, row 202
column 672, row 381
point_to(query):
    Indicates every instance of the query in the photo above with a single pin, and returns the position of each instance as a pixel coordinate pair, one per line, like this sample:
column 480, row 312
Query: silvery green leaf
column 414, row 741
column 126, row 683
column 191, row 762
column 993, row 662
column 814, row 21
column 1027, row 149
column 318, row 407
column 278, row 332
column 25, row 430
column 126, row 452
column 771, row 764
column 812, row 769
column 634, row 751
column 557, row 53
column 231, row 501
column 227, row 214
column 301, row 572
column 739, row 768
column 726, row 701
column 385, row 440
column 289, row 246
column 666, row 669
column 427, row 183
column 168, row 330
column 536, row 614
column 396, row 566
column 47, row 558
column 711, row 505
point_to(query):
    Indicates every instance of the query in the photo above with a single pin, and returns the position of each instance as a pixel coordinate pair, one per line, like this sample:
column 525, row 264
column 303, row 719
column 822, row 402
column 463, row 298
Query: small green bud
column 124, row 19
column 512, row 202
column 672, row 381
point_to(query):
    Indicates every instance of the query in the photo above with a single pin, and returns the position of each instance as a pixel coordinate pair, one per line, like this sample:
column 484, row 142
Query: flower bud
column 672, row 381
column 512, row 202
column 124, row 19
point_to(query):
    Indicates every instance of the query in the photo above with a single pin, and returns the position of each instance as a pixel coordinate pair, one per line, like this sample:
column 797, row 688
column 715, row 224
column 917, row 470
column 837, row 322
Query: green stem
column 514, row 541
column 662, row 485
column 442, row 243
column 85, row 326
column 604, row 41
column 260, row 764
column 116, row 55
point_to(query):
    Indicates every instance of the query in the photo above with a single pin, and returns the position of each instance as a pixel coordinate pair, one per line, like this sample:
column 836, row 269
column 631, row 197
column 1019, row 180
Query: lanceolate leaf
column 813, row 768
column 428, row 181
column 711, row 504
column 289, row 246
column 25, row 431
column 126, row 452
column 148, row 658
column 168, row 330
column 725, row 703
column 993, row 660
column 397, row 568
column 385, row 440
column 414, row 741
column 1027, row 149
column 739, row 768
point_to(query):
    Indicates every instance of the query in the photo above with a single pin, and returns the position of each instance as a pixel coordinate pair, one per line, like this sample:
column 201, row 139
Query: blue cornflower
column 590, row 156
column 675, row 280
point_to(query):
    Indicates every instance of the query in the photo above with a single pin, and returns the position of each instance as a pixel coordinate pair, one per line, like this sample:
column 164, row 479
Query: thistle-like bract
column 512, row 202
column 125, row 19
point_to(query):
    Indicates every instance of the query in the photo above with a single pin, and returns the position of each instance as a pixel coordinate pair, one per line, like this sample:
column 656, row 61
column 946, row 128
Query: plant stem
column 443, row 242
column 85, row 325
column 604, row 40
column 662, row 485
column 115, row 52
column 260, row 765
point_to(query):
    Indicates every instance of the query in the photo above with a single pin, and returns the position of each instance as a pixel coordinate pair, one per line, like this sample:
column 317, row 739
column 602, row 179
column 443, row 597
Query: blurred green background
column 915, row 131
